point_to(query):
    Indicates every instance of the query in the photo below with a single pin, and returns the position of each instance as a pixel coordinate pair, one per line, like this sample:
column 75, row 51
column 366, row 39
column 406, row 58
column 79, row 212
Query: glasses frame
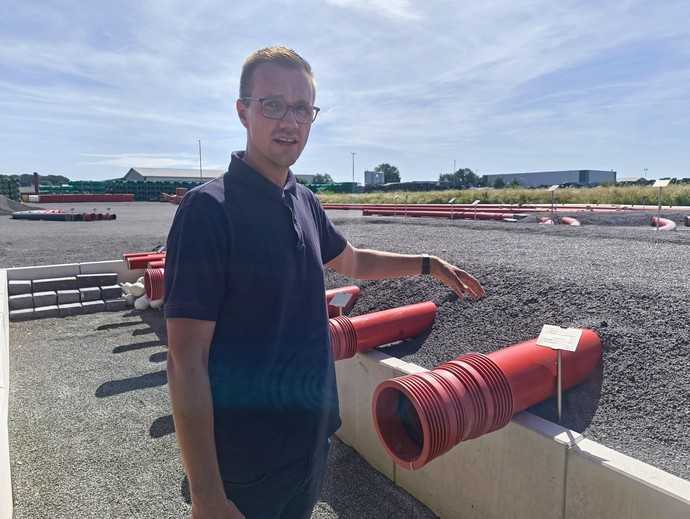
column 288, row 108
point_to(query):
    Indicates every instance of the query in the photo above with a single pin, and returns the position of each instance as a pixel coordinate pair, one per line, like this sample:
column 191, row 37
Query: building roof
column 171, row 173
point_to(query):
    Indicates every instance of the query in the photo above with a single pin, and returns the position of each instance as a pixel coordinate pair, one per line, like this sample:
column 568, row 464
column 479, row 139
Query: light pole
column 645, row 173
column 353, row 170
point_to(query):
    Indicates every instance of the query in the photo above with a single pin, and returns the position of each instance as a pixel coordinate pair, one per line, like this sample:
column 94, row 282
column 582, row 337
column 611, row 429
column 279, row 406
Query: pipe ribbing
column 421, row 416
column 353, row 290
column 154, row 283
column 350, row 335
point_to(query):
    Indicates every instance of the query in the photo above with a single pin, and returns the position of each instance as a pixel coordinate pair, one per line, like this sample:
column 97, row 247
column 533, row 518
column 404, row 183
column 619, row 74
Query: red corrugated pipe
column 154, row 283
column 350, row 335
column 421, row 416
column 140, row 262
column 663, row 224
column 333, row 311
column 159, row 264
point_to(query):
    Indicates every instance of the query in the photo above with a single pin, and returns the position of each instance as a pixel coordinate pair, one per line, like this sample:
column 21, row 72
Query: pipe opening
column 399, row 424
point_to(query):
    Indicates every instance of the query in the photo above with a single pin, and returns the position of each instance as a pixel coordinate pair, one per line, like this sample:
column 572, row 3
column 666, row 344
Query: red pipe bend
column 421, row 416
column 663, row 224
column 350, row 335
column 353, row 290
column 569, row 220
column 154, row 283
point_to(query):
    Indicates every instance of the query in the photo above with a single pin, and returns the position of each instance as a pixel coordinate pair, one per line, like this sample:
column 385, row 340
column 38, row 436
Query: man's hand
column 456, row 279
column 221, row 510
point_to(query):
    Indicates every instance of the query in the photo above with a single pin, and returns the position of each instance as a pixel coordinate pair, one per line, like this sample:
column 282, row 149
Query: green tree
column 499, row 183
column 463, row 178
column 390, row 173
column 322, row 179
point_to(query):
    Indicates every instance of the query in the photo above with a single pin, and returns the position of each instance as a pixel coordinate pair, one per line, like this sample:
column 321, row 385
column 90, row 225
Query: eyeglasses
column 277, row 108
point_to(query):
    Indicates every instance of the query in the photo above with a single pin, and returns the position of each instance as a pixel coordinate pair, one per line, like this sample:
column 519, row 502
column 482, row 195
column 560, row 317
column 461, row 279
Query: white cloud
column 396, row 9
column 496, row 85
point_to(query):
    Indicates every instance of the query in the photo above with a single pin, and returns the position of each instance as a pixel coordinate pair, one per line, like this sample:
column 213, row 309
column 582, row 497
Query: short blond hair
column 279, row 55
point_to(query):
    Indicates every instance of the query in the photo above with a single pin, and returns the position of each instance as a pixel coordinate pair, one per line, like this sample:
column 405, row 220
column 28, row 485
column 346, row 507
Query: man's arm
column 189, row 342
column 373, row 264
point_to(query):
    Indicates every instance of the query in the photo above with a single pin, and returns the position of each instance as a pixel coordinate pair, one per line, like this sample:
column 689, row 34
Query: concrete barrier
column 602, row 482
column 5, row 478
column 530, row 469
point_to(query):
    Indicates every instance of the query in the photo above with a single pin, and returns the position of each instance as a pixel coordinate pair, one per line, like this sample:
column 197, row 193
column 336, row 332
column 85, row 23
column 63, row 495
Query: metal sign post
column 452, row 209
column 475, row 204
column 559, row 339
column 553, row 201
column 340, row 301
column 660, row 184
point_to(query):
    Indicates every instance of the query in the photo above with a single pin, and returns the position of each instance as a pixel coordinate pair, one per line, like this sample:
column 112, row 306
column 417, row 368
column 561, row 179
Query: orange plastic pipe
column 350, row 335
column 421, row 416
column 154, row 283
column 569, row 220
column 663, row 224
column 334, row 311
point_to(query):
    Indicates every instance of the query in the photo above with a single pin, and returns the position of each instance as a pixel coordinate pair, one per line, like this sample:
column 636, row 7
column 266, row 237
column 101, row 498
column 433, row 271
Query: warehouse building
column 583, row 177
column 170, row 175
column 374, row 178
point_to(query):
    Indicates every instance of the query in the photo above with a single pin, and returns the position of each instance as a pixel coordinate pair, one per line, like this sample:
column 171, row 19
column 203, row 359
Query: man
column 250, row 370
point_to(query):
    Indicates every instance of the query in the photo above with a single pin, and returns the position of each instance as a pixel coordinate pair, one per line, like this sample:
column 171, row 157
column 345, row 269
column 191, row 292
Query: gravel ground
column 628, row 281
column 91, row 433
column 139, row 226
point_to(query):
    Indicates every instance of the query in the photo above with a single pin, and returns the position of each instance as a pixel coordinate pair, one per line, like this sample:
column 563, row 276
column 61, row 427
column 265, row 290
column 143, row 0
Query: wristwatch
column 426, row 264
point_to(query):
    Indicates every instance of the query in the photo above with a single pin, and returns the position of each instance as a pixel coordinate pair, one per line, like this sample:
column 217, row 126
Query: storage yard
column 615, row 274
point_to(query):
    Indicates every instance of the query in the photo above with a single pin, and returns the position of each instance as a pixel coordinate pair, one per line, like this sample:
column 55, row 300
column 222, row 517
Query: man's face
column 278, row 143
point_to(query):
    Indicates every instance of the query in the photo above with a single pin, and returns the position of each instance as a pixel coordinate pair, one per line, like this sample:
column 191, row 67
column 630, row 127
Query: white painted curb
column 5, row 476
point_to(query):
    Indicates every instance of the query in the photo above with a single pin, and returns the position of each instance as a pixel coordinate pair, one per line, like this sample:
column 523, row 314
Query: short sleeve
column 332, row 242
column 196, row 259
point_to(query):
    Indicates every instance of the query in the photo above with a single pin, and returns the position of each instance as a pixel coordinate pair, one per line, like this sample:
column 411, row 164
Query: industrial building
column 374, row 178
column 170, row 175
column 583, row 177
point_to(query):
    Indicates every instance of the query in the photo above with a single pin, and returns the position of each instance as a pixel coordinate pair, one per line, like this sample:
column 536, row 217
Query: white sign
column 662, row 183
column 341, row 299
column 554, row 187
column 476, row 202
column 452, row 200
column 558, row 338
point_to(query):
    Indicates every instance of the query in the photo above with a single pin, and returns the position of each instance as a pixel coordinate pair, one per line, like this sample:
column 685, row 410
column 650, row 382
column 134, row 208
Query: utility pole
column 454, row 168
column 201, row 173
column 353, row 170
column 645, row 173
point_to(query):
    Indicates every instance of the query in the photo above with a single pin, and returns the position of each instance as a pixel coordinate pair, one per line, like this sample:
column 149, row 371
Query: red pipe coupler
column 154, row 283
column 422, row 416
column 333, row 311
column 350, row 335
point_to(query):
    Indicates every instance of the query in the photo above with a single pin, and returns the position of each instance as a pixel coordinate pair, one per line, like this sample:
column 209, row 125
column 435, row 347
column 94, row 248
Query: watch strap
column 426, row 264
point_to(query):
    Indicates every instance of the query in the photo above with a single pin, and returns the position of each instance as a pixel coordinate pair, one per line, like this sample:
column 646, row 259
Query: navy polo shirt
column 249, row 255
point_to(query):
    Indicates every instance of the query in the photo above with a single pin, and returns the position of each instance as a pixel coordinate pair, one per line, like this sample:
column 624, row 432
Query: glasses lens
column 274, row 108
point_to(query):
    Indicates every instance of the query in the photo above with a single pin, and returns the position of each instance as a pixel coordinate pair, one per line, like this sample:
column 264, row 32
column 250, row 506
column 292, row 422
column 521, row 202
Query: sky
column 91, row 89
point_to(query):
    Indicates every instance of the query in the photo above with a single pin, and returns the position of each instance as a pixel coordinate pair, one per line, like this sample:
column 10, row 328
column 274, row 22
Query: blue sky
column 90, row 89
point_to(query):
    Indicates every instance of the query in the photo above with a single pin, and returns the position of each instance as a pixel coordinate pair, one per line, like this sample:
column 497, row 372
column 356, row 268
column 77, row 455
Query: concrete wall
column 5, row 478
column 530, row 469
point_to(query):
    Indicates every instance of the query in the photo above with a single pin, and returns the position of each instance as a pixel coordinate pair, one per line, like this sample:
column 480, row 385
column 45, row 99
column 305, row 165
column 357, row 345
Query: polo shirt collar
column 242, row 172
